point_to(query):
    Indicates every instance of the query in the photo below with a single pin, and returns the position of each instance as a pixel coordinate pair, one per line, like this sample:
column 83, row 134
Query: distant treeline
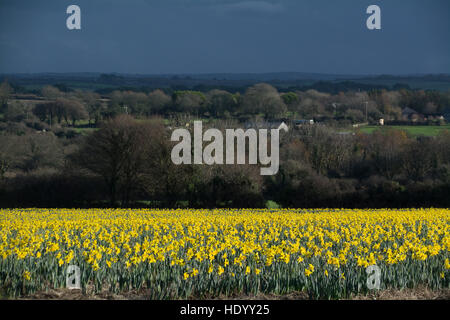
column 127, row 163
column 81, row 149
column 106, row 83
column 53, row 106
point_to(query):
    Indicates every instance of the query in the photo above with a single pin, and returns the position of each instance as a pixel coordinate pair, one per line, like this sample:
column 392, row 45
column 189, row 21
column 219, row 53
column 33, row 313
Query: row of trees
column 127, row 163
column 266, row 101
column 261, row 100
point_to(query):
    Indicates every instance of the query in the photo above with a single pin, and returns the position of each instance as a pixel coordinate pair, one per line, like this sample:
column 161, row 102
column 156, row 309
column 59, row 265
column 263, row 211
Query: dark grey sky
column 209, row 36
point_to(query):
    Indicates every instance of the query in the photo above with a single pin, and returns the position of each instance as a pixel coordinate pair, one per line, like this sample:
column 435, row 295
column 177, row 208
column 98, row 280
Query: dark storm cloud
column 205, row 36
column 252, row 6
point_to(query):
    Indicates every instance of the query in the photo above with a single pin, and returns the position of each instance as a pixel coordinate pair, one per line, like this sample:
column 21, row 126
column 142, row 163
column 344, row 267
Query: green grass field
column 429, row 131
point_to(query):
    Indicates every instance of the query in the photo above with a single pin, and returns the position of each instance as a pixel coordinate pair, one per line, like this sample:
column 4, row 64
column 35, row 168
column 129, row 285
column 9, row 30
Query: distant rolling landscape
column 282, row 80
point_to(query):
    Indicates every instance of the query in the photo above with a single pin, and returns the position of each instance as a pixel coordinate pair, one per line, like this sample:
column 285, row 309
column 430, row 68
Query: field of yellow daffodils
column 172, row 254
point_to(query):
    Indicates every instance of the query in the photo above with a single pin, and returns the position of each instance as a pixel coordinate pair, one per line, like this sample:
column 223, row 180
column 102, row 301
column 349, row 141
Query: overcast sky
column 236, row 36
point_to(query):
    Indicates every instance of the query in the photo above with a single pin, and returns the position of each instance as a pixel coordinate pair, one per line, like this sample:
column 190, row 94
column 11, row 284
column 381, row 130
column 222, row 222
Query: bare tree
column 92, row 104
column 220, row 102
column 47, row 111
column 386, row 150
column 419, row 158
column 263, row 98
column 5, row 92
column 189, row 101
column 118, row 152
column 51, row 92
column 74, row 110
column 7, row 154
column 158, row 100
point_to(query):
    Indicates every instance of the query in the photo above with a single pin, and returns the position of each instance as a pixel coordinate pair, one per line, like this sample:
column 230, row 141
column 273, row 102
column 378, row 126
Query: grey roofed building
column 446, row 114
column 263, row 124
column 409, row 112
column 303, row 122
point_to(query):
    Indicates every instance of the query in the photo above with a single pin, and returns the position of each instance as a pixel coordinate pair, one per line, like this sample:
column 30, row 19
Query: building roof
column 263, row 124
column 409, row 111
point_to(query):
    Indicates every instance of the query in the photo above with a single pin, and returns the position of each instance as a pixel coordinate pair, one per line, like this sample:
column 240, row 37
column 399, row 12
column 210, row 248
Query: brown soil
column 406, row 294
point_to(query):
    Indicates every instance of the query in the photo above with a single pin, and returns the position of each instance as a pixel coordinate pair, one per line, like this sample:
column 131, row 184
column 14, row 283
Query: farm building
column 299, row 123
column 263, row 124
column 446, row 115
column 409, row 114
